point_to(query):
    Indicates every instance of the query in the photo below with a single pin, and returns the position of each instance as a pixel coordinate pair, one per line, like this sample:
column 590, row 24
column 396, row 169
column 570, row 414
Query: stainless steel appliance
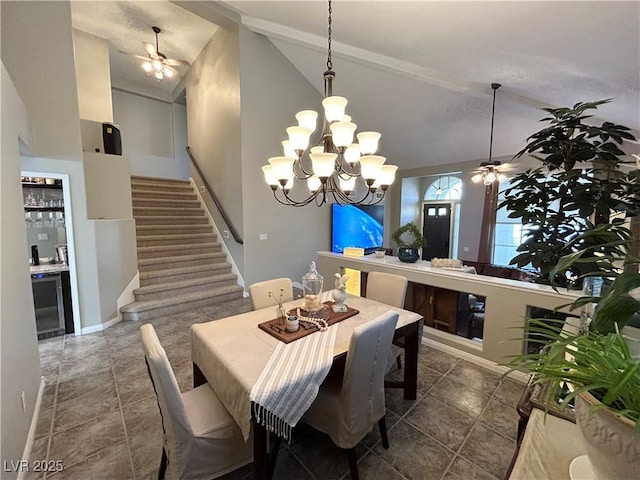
column 48, row 303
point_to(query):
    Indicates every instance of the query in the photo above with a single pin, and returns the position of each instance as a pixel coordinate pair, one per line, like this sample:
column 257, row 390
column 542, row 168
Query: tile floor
column 100, row 418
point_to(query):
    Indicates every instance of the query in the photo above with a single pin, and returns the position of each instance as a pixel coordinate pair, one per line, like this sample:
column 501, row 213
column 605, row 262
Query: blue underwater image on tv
column 356, row 227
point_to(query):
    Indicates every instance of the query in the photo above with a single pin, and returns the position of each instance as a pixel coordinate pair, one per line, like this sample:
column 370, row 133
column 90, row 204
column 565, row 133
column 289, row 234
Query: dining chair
column 389, row 289
column 348, row 405
column 201, row 440
column 259, row 292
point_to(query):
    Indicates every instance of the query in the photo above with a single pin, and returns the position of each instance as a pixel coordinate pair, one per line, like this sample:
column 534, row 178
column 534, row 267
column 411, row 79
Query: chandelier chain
column 329, row 62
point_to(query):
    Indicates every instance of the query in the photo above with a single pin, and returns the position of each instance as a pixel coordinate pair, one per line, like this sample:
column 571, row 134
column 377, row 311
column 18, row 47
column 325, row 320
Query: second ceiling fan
column 156, row 63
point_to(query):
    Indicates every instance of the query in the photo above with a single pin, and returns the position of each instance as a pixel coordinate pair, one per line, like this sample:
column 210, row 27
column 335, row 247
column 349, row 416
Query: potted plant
column 409, row 241
column 602, row 368
column 578, row 187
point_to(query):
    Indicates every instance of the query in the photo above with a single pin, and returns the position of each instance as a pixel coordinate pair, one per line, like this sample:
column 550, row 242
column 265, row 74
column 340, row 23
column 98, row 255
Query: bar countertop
column 48, row 268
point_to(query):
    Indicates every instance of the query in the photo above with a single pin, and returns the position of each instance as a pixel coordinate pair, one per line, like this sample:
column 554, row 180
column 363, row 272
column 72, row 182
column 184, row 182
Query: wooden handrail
column 225, row 217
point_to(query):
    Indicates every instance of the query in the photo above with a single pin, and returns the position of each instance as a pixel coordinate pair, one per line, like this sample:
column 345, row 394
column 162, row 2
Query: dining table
column 231, row 353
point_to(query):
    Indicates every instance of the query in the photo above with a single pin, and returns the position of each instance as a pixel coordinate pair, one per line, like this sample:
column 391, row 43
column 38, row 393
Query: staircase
column 180, row 261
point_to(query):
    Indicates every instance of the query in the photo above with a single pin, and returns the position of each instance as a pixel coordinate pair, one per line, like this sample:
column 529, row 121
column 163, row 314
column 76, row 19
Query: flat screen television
column 356, row 226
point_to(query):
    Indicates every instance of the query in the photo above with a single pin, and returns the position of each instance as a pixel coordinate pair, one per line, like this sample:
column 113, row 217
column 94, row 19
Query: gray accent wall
column 213, row 119
column 273, row 91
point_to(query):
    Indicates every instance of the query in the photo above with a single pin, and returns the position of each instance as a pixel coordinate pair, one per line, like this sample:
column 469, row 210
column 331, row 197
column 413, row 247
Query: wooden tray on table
column 278, row 331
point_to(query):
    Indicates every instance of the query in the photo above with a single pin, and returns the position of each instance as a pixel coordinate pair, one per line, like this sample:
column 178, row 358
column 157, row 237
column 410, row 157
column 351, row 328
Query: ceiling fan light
column 501, row 177
column 157, row 64
column 146, row 66
column 334, row 108
column 476, row 178
column 282, row 167
column 159, row 75
column 352, row 153
column 368, row 142
column 168, row 72
column 307, row 119
column 489, row 178
column 371, row 166
column 342, row 133
column 299, row 137
column 323, row 164
column 313, row 182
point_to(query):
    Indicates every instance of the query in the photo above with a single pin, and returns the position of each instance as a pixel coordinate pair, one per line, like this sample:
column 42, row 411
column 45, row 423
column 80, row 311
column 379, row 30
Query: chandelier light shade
column 334, row 166
column 488, row 171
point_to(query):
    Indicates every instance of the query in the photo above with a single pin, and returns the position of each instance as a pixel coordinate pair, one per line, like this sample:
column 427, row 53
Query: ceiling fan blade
column 151, row 50
column 176, row 63
column 140, row 57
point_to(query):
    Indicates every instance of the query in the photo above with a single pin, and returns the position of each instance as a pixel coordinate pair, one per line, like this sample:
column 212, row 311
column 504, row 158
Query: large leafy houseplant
column 596, row 361
column 577, row 188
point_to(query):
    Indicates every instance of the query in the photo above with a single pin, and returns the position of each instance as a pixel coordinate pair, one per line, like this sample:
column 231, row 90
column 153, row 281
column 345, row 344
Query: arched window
column 444, row 188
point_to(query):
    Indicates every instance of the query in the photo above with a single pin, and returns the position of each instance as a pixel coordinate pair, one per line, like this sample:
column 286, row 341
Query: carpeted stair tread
column 141, row 178
column 159, row 211
column 141, row 193
column 145, row 231
column 162, row 287
column 183, row 258
column 170, row 220
column 165, row 202
column 178, row 248
column 212, row 268
column 180, row 299
column 178, row 239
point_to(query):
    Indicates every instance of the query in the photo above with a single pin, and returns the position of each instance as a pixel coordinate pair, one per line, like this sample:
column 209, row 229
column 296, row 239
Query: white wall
column 93, row 77
column 213, row 117
column 153, row 135
column 272, row 92
column 20, row 363
column 37, row 51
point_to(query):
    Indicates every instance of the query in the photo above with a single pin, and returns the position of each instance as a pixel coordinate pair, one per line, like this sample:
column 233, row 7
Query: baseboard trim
column 476, row 360
column 100, row 327
column 32, row 430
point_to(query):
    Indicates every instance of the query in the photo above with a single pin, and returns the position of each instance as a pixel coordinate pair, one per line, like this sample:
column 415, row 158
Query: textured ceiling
column 127, row 27
column 420, row 71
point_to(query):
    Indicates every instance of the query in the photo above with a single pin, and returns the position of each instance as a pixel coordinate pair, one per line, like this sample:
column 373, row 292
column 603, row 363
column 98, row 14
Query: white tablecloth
column 232, row 352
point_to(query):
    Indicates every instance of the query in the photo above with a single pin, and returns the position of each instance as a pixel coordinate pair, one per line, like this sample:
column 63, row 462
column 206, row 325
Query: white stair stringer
column 181, row 263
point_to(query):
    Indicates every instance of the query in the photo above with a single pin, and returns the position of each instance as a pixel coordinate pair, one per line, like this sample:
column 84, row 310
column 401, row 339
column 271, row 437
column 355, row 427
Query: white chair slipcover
column 348, row 407
column 201, row 439
column 389, row 289
column 259, row 292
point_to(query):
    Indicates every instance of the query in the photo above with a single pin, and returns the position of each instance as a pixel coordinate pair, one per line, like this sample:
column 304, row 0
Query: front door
column 436, row 229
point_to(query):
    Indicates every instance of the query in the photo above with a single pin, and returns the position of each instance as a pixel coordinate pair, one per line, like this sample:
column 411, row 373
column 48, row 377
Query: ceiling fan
column 490, row 170
column 156, row 63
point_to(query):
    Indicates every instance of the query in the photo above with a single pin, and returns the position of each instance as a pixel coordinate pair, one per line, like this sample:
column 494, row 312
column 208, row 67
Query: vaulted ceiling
column 420, row 71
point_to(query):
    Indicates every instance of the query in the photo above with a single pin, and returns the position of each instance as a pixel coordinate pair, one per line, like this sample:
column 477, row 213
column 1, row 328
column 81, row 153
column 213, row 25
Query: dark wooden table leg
column 411, row 347
column 260, row 457
column 198, row 376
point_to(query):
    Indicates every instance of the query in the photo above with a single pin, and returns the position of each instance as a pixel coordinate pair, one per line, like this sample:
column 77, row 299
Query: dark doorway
column 436, row 229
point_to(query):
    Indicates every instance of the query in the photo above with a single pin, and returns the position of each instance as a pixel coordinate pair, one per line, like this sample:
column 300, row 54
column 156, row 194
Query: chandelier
column 489, row 170
column 333, row 165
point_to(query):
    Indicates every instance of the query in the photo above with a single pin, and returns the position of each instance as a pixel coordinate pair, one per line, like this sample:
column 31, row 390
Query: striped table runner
column 289, row 383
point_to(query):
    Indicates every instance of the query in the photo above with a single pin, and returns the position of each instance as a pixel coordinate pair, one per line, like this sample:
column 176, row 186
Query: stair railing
column 223, row 213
